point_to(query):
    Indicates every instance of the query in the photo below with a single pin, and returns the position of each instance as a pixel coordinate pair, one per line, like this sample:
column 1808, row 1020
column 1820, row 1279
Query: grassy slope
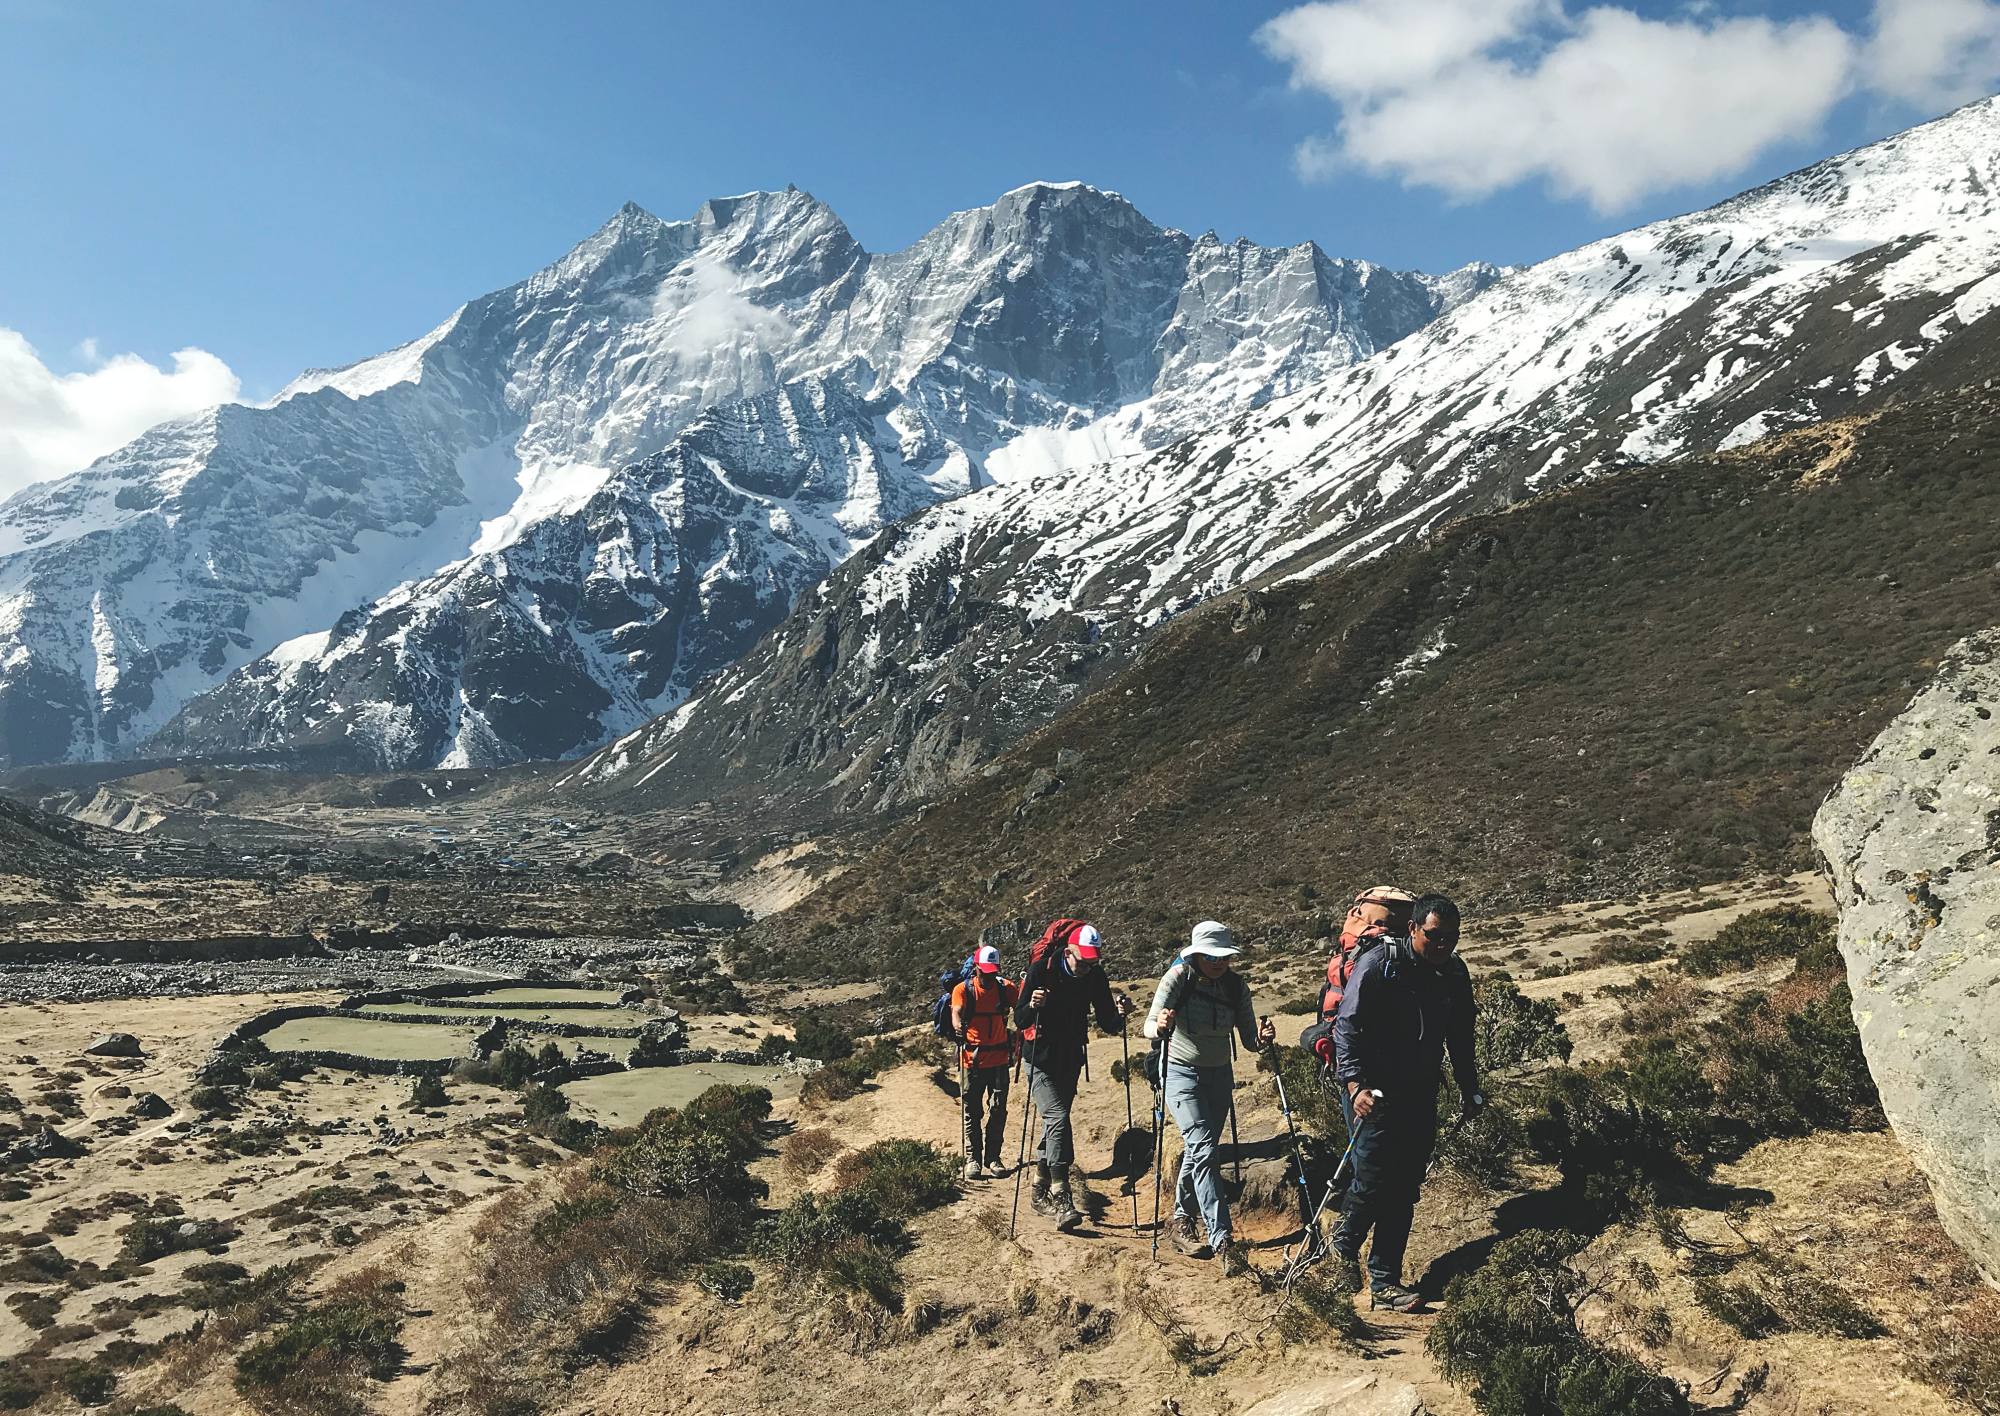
column 1650, row 681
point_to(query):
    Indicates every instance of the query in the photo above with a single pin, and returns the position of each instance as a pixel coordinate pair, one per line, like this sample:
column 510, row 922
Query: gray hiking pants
column 1052, row 1093
column 986, row 1087
column 1198, row 1099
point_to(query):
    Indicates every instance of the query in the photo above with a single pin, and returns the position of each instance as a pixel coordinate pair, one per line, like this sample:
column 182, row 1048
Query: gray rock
column 116, row 1044
column 1911, row 838
column 152, row 1106
column 1344, row 1396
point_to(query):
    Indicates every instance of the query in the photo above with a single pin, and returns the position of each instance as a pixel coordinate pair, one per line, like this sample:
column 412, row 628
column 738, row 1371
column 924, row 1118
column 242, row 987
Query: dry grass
column 807, row 1151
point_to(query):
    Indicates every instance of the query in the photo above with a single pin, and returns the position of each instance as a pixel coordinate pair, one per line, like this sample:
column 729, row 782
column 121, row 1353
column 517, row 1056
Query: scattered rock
column 115, row 1044
column 152, row 1106
column 1911, row 838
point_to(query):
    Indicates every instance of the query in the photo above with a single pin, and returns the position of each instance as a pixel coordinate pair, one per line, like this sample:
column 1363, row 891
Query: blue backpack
column 948, row 980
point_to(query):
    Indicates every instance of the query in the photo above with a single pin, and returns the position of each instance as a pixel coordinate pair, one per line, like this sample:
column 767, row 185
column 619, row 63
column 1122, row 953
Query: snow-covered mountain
column 542, row 522
column 969, row 624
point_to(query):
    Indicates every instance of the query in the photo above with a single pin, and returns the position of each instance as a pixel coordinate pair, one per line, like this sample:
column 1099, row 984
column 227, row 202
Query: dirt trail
column 713, row 1358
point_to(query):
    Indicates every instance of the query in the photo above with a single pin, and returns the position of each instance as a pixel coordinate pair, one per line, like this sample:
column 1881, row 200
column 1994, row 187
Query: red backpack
column 1055, row 937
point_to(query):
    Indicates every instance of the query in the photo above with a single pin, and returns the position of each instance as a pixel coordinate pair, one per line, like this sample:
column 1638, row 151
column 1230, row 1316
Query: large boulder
column 1911, row 839
column 1344, row 1396
column 115, row 1044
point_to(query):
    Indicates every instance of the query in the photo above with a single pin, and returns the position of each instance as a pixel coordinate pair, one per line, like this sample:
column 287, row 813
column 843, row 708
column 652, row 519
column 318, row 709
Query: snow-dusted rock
column 540, row 523
column 1911, row 838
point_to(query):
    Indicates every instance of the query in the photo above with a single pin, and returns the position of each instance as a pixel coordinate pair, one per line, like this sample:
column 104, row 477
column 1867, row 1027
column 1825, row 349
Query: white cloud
column 1472, row 96
column 1934, row 52
column 52, row 424
column 705, row 310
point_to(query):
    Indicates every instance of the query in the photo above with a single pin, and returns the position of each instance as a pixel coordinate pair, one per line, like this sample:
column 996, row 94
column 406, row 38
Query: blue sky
column 284, row 185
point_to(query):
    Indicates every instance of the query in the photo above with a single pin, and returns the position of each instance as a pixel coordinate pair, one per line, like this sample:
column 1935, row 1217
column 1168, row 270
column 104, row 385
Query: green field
column 554, row 994
column 582, row 1017
column 392, row 1042
column 623, row 1098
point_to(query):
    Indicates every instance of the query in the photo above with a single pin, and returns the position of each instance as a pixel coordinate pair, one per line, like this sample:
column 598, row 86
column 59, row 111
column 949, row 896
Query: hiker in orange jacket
column 981, row 1013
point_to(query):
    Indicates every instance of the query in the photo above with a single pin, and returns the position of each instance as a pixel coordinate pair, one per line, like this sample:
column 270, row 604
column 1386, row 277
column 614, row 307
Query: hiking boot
column 1040, row 1199
column 1182, row 1235
column 1234, row 1257
column 1072, row 1200
column 1079, row 1193
column 1394, row 1297
column 974, row 1170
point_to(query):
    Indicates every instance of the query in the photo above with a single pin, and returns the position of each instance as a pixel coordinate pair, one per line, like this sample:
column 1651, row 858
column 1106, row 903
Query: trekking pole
column 961, row 1111
column 1159, row 1157
column 1307, row 1212
column 1027, row 1095
column 1125, row 1046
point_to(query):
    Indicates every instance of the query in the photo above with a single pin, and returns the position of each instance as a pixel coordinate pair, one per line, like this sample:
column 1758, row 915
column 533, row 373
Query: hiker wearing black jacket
column 1061, row 991
column 1407, row 1004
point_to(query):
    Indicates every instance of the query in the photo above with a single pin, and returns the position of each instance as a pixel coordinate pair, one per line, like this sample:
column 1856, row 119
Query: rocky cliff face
column 1801, row 300
column 537, row 525
column 1911, row 838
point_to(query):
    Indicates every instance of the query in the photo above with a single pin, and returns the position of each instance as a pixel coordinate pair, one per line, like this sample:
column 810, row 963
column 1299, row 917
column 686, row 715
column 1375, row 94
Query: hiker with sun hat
column 1200, row 1002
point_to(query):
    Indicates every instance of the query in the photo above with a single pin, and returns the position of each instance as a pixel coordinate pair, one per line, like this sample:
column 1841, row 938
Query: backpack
column 1340, row 968
column 948, row 980
column 1156, row 1055
column 1054, row 939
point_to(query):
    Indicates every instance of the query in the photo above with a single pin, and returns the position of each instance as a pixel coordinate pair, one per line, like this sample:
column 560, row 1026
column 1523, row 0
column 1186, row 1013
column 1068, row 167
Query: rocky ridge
column 540, row 523
column 968, row 624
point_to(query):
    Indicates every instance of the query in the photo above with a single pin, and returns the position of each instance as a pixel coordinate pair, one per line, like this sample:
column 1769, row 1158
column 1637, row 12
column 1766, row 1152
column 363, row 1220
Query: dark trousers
column 1391, row 1150
column 1053, row 1092
column 985, row 1087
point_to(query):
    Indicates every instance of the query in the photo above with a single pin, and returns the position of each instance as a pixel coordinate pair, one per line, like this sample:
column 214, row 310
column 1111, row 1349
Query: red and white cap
column 1085, row 940
column 987, row 960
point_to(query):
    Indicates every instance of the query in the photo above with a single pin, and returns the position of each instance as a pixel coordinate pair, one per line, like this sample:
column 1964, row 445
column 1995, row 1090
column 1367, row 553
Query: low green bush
column 514, row 1066
column 703, row 1149
column 1761, row 937
column 904, row 1177
column 144, row 1240
column 428, row 1092
column 1509, row 1332
column 818, row 1036
column 843, row 1240
column 326, row 1350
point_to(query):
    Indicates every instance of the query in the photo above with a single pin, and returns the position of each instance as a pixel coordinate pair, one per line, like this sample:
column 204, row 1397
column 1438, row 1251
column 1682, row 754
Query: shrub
column 727, row 1281
column 1615, row 1156
column 904, row 1177
column 844, row 1240
column 264, row 1077
column 1961, row 1354
column 211, row 1100
column 1762, row 936
column 514, row 1065
column 845, row 1078
column 90, row 1383
column 1513, row 1030
column 543, row 1106
column 550, row 1061
column 325, row 1353
column 773, row 1047
column 701, row 1150
column 656, row 1047
column 808, row 1150
column 1509, row 1332
column 818, row 1036
column 428, row 1093
column 144, row 1240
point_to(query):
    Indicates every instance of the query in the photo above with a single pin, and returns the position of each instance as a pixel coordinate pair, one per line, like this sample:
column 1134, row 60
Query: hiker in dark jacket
column 1200, row 1004
column 1405, row 1006
column 1061, row 991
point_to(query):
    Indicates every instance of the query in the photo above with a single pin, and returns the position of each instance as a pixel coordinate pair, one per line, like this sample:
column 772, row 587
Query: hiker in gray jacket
column 1201, row 1000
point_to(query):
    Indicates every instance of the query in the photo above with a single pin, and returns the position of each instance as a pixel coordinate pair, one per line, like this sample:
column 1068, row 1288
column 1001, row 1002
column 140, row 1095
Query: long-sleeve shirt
column 1205, row 1013
column 1398, row 1018
column 1064, row 1024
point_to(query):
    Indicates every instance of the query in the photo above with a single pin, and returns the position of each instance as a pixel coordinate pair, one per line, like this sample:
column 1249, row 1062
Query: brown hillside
column 1643, row 683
